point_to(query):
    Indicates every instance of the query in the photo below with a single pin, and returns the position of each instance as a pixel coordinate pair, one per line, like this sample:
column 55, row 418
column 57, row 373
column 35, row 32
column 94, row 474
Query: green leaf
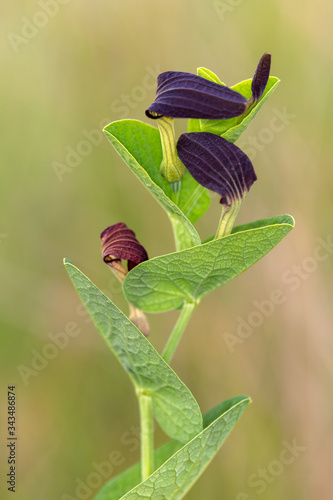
column 209, row 75
column 278, row 219
column 244, row 88
column 175, row 408
column 178, row 474
column 124, row 482
column 193, row 199
column 117, row 486
column 166, row 282
column 139, row 145
column 232, row 128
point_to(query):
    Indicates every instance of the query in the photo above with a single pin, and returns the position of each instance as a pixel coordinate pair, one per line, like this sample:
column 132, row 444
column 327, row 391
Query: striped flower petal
column 183, row 95
column 119, row 243
column 261, row 76
column 217, row 164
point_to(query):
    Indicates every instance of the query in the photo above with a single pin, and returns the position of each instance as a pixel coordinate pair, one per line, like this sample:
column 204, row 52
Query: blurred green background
column 86, row 64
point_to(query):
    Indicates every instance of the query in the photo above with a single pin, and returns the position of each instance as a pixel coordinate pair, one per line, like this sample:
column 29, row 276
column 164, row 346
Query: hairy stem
column 178, row 331
column 147, row 436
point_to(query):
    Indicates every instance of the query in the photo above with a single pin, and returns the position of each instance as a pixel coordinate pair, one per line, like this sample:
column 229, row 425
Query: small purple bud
column 119, row 243
column 261, row 76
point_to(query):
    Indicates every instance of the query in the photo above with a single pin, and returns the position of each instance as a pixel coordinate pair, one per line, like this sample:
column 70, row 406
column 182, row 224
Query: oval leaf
column 124, row 482
column 178, row 474
column 139, row 145
column 175, row 408
column 166, row 282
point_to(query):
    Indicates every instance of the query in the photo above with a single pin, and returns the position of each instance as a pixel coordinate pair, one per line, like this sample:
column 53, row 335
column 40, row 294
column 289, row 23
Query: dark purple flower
column 260, row 78
column 217, row 164
column 119, row 243
column 183, row 95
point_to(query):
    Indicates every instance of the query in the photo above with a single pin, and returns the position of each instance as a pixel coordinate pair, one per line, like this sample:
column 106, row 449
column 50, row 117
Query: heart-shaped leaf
column 166, row 282
column 175, row 408
column 139, row 145
column 118, row 486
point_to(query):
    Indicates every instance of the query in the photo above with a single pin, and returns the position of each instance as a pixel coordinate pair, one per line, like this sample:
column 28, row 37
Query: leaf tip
column 292, row 221
column 288, row 220
column 106, row 129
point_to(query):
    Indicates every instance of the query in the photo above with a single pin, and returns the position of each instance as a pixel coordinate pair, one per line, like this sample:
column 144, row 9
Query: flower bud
column 260, row 78
column 119, row 243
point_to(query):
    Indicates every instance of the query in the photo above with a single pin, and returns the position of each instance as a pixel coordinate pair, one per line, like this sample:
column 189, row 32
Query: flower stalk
column 171, row 168
column 228, row 216
column 178, row 331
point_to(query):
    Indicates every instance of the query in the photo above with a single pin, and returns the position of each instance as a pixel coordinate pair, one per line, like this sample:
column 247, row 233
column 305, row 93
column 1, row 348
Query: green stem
column 178, row 331
column 183, row 239
column 171, row 168
column 227, row 219
column 147, row 436
column 175, row 195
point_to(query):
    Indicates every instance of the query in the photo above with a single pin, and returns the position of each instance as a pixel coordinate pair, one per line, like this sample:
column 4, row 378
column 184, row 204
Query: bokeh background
column 88, row 63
